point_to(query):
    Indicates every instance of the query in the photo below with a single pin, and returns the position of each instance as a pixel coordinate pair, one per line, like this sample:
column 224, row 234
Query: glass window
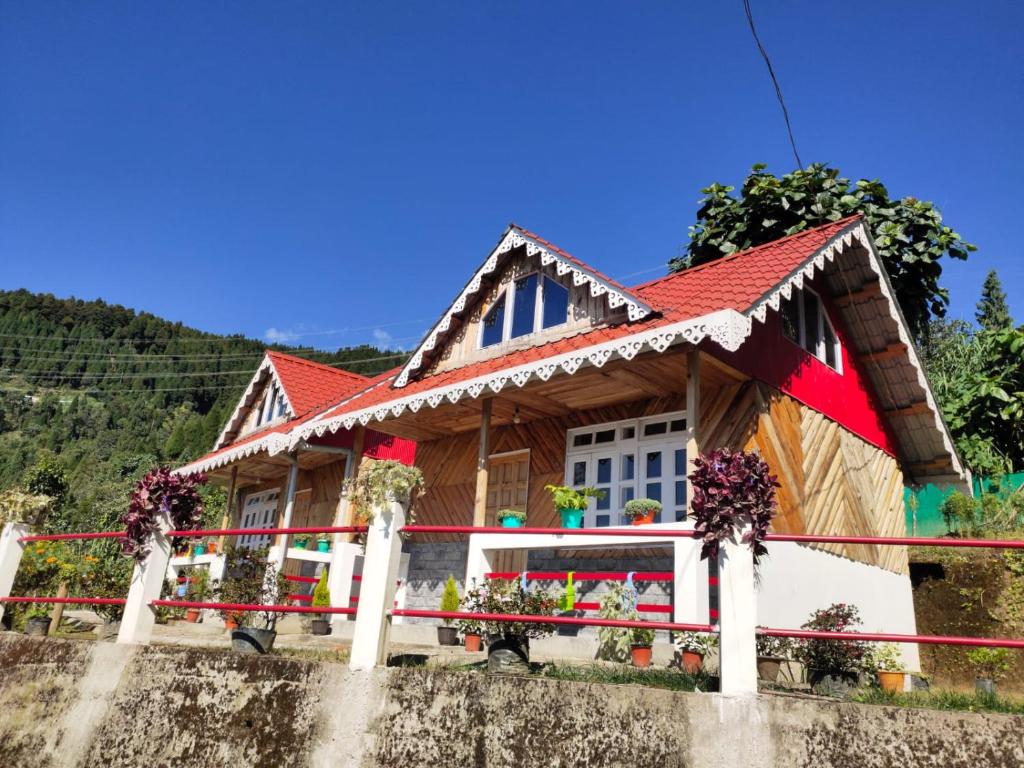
column 680, row 456
column 790, row 313
column 579, row 473
column 677, row 425
column 556, row 303
column 605, row 502
column 605, row 436
column 658, row 428
column 494, row 324
column 604, row 470
column 831, row 346
column 654, row 491
column 628, row 433
column 654, row 464
column 602, row 521
column 811, row 333
column 680, row 493
column 524, row 307
column 628, row 466
column 581, row 440
column 627, row 494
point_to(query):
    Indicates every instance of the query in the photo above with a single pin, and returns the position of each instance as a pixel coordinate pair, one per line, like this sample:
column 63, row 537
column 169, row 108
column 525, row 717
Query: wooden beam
column 867, row 291
column 888, row 353
column 692, row 420
column 229, row 508
column 921, row 406
column 943, row 463
column 546, row 405
column 483, row 449
column 635, row 380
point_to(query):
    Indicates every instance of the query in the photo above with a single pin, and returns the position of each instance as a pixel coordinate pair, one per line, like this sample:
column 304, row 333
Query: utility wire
column 775, row 82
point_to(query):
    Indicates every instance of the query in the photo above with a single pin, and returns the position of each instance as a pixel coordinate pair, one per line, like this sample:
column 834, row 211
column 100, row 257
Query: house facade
column 543, row 371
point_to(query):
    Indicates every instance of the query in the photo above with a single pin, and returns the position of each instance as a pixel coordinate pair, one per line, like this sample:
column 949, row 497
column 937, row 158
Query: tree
column 993, row 312
column 908, row 233
column 48, row 478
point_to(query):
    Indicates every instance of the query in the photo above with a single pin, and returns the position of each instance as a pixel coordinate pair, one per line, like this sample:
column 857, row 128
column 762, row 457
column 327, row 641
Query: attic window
column 538, row 303
column 805, row 322
column 272, row 406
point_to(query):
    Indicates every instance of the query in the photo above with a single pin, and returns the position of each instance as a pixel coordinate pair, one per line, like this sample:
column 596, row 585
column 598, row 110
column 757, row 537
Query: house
column 543, row 370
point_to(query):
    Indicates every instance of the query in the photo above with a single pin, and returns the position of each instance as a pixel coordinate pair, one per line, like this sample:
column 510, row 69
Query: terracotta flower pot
column 192, row 615
column 231, row 621
column 641, row 656
column 473, row 642
column 891, row 682
column 647, row 519
column 693, row 662
column 768, row 668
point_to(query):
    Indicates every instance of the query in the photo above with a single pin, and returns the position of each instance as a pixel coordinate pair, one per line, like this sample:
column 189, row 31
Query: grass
column 330, row 655
column 945, row 700
column 623, row 674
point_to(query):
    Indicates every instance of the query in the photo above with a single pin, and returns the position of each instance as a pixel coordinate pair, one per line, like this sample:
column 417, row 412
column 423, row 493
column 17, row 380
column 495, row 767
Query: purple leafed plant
column 731, row 488
column 158, row 492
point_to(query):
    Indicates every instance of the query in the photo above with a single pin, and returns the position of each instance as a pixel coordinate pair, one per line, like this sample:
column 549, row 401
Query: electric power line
column 775, row 82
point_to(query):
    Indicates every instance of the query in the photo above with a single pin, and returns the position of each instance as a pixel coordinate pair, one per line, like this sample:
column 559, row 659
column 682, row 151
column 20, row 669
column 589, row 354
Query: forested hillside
column 102, row 392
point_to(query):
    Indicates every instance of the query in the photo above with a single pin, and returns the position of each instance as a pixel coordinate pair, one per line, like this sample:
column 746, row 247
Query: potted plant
column 199, row 549
column 616, row 643
column 446, row 633
column 508, row 643
column 692, row 648
column 323, row 542
column 991, row 664
column 771, row 652
column 511, row 518
column 641, row 642
column 889, row 669
column 250, row 580
column 471, row 629
column 571, row 503
column 833, row 666
column 301, row 542
column 321, row 599
column 37, row 620
column 198, row 591
column 211, row 547
column 642, row 511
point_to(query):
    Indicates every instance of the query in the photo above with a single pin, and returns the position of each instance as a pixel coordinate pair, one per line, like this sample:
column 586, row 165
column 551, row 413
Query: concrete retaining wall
column 74, row 704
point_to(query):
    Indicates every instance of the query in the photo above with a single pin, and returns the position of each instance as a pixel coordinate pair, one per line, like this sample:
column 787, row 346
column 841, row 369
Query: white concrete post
column 690, row 596
column 344, row 558
column 279, row 552
column 377, row 589
column 10, row 557
column 478, row 563
column 147, row 580
column 737, row 607
column 402, row 587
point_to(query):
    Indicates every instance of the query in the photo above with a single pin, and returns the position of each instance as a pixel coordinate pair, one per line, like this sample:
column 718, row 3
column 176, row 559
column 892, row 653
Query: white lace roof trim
column 233, row 422
column 514, row 238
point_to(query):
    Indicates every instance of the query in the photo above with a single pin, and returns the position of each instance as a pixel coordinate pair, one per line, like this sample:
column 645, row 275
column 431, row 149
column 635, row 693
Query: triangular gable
column 549, row 254
column 265, row 374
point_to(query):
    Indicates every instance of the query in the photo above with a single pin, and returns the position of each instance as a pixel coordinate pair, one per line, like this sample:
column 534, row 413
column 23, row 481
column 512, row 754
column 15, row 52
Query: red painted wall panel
column 376, row 445
column 846, row 398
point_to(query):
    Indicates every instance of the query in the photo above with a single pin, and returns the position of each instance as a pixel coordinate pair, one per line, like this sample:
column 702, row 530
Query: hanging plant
column 730, row 489
column 379, row 482
column 159, row 492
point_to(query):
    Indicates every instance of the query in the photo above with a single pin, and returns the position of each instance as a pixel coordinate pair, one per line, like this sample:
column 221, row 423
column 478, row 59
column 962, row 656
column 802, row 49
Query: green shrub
column 450, row 598
column 321, row 593
column 991, row 663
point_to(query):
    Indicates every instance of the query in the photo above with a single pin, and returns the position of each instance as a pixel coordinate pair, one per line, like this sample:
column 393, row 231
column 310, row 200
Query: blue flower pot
column 571, row 518
column 323, row 546
column 199, row 549
column 511, row 522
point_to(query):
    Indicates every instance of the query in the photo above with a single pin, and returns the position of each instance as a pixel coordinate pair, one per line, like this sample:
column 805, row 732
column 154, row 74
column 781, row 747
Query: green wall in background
column 930, row 498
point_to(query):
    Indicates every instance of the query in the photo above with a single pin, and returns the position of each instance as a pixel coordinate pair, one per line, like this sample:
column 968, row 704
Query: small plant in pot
column 642, row 511
column 991, row 665
column 321, row 599
column 198, row 591
column 323, row 542
column 617, row 643
column 888, row 664
column 471, row 629
column 508, row 642
column 37, row 620
column 446, row 633
column 693, row 647
column 250, row 580
column 771, row 653
column 301, row 542
column 571, row 503
column 641, row 643
column 833, row 666
column 511, row 518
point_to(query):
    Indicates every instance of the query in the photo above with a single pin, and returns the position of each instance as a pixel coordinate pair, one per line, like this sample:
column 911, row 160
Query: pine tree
column 993, row 312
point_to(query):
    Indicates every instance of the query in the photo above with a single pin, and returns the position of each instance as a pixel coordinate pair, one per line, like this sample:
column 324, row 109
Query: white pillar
column 280, row 552
column 402, row 587
column 147, row 580
column 344, row 557
column 478, row 563
column 377, row 589
column 737, row 607
column 10, row 557
column 690, row 596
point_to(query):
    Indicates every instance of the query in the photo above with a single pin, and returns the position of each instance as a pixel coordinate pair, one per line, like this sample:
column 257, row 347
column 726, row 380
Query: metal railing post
column 737, row 612
column 381, row 564
column 147, row 581
column 10, row 557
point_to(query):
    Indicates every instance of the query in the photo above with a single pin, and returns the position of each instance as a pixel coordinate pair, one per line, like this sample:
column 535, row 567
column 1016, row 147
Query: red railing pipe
column 897, row 541
column 639, row 531
column 266, row 531
column 584, row 575
column 570, row 621
column 66, row 600
column 881, row 637
column 72, row 536
column 243, row 607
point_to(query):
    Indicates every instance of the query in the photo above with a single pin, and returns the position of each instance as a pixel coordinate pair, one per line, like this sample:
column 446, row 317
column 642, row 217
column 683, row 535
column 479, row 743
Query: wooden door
column 508, row 486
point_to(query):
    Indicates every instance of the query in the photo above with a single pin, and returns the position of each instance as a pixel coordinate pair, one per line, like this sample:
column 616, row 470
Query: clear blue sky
column 315, row 166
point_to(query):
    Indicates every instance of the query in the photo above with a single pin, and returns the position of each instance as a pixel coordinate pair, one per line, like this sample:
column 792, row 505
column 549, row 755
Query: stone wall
column 70, row 704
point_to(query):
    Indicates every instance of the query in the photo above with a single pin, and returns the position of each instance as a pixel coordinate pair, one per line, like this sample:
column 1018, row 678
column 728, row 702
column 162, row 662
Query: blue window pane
column 604, row 470
column 681, row 515
column 556, row 303
column 628, row 467
column 680, row 493
column 681, row 462
column 494, row 324
column 654, row 491
column 525, row 306
column 579, row 473
column 627, row 494
column 654, row 464
column 603, row 521
column 606, row 502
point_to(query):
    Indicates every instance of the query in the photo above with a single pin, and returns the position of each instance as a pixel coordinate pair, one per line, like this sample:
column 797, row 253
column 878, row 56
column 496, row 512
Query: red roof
column 309, row 385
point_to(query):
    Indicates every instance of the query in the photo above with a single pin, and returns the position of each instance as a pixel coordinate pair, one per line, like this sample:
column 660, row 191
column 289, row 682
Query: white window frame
column 510, row 293
column 266, row 517
column 638, row 446
column 823, row 318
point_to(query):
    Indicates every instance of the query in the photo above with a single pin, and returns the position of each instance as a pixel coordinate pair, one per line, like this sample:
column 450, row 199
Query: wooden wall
column 832, row 481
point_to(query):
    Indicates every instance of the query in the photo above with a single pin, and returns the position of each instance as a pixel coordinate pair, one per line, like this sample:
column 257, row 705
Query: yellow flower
column 51, row 559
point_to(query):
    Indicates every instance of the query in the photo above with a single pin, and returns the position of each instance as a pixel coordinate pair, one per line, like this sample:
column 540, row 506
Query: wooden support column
column 480, row 501
column 281, row 555
column 229, row 510
column 346, row 514
column 692, row 420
